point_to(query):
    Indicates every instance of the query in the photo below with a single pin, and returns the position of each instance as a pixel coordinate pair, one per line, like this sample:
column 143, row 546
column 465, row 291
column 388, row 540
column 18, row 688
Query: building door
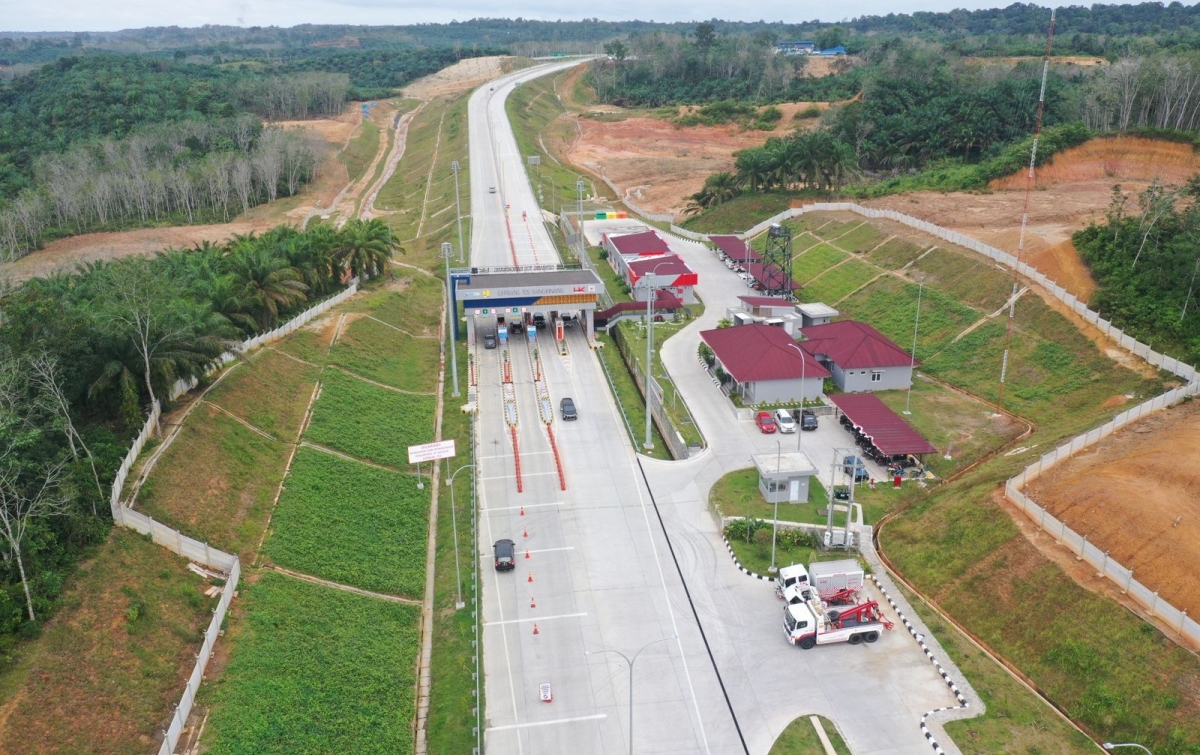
column 794, row 491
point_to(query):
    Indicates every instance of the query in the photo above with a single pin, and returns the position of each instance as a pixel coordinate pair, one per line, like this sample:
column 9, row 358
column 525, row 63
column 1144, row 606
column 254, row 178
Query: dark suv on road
column 567, row 407
column 505, row 551
column 808, row 420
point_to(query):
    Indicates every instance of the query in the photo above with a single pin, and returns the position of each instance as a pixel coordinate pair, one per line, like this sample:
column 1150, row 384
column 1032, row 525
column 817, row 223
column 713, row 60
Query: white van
column 783, row 418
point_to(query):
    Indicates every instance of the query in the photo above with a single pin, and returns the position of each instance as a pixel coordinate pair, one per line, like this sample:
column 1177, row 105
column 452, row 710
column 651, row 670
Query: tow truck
column 808, row 623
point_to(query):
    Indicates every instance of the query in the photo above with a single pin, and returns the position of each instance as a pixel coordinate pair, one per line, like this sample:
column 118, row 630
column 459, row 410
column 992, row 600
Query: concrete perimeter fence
column 182, row 386
column 656, row 217
column 1158, row 608
column 190, row 548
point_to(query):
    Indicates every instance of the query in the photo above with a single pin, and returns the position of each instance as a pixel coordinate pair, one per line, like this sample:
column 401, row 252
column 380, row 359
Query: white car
column 783, row 419
column 491, row 190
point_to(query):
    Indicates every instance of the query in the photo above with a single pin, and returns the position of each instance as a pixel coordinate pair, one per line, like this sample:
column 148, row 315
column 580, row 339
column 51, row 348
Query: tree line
column 1159, row 91
column 187, row 171
column 111, row 96
column 83, row 354
column 1145, row 259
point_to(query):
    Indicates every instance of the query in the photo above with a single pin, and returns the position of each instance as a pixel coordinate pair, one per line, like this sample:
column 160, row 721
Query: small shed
column 815, row 313
column 783, row 477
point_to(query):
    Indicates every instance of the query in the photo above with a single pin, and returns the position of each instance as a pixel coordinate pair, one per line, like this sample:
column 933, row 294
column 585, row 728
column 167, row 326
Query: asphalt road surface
column 595, row 569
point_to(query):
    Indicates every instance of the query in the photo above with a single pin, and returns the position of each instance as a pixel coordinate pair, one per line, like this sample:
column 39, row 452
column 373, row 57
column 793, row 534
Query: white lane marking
column 509, row 456
column 641, row 483
column 527, row 506
column 512, row 690
column 533, row 619
column 595, row 717
column 487, row 556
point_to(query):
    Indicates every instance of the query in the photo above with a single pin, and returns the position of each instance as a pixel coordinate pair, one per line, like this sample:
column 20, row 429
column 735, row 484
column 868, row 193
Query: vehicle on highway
column 852, row 465
column 765, row 422
column 783, row 418
column 567, row 408
column 808, row 420
column 489, row 340
column 809, row 624
column 517, row 327
column 539, row 322
column 491, row 190
column 505, row 552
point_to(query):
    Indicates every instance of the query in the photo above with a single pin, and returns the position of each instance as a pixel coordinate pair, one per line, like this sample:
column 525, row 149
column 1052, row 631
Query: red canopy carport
column 890, row 433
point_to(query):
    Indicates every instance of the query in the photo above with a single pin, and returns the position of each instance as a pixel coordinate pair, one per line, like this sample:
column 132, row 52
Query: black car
column 808, row 420
column 489, row 341
column 567, row 407
column 505, row 551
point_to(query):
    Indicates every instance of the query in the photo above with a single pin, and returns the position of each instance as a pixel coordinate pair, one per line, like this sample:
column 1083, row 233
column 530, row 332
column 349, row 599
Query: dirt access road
column 330, row 188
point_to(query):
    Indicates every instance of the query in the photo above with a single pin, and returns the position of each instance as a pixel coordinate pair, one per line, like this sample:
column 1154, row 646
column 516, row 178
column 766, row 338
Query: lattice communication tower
column 776, row 275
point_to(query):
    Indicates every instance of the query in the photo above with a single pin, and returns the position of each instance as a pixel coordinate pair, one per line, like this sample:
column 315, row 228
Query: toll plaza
column 497, row 300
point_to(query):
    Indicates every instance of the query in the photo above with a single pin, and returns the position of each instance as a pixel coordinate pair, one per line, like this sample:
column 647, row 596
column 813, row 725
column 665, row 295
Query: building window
column 876, row 377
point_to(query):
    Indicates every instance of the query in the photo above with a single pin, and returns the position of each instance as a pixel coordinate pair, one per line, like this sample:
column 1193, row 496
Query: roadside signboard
column 442, row 449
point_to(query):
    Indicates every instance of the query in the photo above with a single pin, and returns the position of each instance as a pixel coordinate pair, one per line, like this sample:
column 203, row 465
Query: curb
column 741, row 568
column 920, row 638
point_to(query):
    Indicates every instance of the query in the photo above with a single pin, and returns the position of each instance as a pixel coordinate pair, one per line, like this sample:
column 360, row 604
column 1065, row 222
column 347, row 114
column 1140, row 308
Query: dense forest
column 183, row 172
column 1145, row 262
column 83, row 355
column 1017, row 29
column 109, row 96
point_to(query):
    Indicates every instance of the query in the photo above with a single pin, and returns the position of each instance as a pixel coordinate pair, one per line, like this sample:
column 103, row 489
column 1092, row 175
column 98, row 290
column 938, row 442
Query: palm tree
column 267, row 282
column 365, row 246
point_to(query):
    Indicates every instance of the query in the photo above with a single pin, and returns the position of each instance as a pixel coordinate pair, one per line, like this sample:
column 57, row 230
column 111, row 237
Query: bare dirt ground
column 1073, row 190
column 1138, row 497
column 459, row 77
column 658, row 165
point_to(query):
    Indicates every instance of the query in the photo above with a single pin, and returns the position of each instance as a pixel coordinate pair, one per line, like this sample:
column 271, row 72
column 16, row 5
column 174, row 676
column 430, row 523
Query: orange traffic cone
column 530, row 576
column 526, row 554
column 535, row 629
column 522, row 511
column 526, row 533
column 532, row 602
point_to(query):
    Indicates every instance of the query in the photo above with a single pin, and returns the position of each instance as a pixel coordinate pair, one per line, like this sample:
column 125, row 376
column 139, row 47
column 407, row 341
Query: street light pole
column 630, row 661
column 1111, row 745
column 447, row 253
column 775, row 519
column 454, row 522
column 582, row 255
column 454, row 166
column 913, row 364
column 803, row 376
column 649, row 445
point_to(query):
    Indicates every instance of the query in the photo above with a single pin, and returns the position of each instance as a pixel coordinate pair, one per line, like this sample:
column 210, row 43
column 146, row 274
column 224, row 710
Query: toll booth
column 538, row 297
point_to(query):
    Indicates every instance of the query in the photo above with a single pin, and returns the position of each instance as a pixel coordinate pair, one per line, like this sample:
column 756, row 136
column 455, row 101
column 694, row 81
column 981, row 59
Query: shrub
column 812, row 111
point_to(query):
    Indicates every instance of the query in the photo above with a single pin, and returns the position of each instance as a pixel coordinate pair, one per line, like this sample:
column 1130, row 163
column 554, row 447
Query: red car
column 765, row 422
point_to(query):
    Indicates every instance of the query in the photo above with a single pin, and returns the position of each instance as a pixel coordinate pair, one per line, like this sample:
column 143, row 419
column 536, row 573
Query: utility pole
column 454, row 166
column 451, row 313
column 913, row 364
column 582, row 255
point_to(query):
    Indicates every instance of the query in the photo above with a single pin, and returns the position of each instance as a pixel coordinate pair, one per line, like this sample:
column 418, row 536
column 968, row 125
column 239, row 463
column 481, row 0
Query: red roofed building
column 635, row 244
column 667, row 272
column 765, row 365
column 735, row 248
column 860, row 357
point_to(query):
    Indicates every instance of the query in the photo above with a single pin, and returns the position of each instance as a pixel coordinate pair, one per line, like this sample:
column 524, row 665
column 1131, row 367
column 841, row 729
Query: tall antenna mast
column 1037, row 132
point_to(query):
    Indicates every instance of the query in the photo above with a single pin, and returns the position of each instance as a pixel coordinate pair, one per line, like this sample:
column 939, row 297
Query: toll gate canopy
column 890, row 433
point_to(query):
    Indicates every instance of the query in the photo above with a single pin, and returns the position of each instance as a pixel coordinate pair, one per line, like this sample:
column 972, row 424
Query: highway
column 595, row 570
column 603, row 578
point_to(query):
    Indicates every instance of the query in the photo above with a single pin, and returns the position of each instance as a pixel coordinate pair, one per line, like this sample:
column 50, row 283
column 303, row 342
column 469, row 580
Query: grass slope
column 374, row 350
column 350, row 523
column 109, row 668
column 271, row 392
column 369, row 422
column 316, row 671
column 216, row 482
